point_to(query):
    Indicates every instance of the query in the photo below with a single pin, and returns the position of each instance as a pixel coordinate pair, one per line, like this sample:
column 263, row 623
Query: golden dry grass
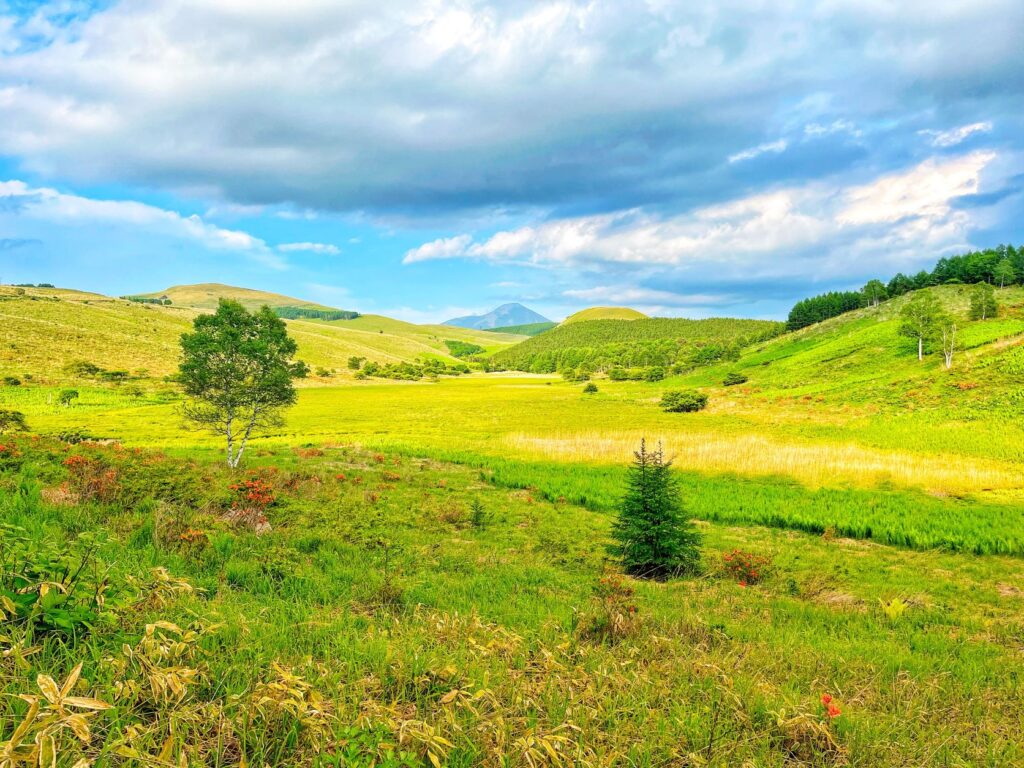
column 814, row 464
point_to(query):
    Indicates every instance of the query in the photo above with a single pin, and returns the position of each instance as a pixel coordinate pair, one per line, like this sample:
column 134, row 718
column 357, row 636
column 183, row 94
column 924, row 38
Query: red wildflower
column 826, row 699
column 340, row 476
column 833, row 711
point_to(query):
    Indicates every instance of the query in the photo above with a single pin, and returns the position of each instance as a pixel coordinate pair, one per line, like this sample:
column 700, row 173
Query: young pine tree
column 653, row 537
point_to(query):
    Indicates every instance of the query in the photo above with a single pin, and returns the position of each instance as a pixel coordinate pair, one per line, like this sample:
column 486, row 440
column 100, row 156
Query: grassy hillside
column 42, row 331
column 640, row 342
column 860, row 359
column 604, row 313
column 531, row 329
column 206, row 295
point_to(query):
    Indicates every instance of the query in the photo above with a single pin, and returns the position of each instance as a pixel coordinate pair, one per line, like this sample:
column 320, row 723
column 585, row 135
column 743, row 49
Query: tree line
column 1000, row 266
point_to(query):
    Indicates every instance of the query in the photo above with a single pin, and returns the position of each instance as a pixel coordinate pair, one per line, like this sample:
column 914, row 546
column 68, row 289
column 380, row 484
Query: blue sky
column 426, row 159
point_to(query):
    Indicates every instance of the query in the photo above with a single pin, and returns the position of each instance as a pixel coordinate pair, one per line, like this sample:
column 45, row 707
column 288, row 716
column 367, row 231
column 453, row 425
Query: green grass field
column 380, row 623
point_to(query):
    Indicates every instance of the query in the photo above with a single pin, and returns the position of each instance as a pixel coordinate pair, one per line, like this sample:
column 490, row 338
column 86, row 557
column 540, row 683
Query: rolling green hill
column 604, row 313
column 859, row 357
column 206, row 296
column 43, row 331
column 603, row 344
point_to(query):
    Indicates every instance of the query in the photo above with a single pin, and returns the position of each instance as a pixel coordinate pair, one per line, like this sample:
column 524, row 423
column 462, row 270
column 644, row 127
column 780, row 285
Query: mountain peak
column 512, row 313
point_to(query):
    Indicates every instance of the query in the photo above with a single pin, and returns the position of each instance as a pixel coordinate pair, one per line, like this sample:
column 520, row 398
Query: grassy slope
column 44, row 330
column 604, row 313
column 408, row 623
column 206, row 296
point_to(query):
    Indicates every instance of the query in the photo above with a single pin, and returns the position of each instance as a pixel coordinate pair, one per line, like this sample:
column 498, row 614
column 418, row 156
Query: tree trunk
column 245, row 439
column 920, row 348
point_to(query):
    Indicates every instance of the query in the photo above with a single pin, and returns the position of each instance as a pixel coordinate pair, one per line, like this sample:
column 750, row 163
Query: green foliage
column 431, row 367
column 529, row 329
column 983, row 302
column 686, row 401
column 462, row 349
column 653, row 537
column 66, row 397
column 590, row 389
column 893, row 609
column 237, row 368
column 160, row 301
column 818, row 308
column 12, row 421
column 733, row 378
column 310, row 313
column 479, row 516
column 874, row 293
column 51, row 586
column 1003, row 265
column 921, row 320
column 605, row 345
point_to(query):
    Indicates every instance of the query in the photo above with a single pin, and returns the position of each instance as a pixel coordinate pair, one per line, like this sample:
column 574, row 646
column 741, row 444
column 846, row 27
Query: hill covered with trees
column 1000, row 266
column 603, row 345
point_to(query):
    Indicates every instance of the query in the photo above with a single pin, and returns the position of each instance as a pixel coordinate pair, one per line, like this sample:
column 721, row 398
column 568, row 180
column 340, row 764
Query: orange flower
column 833, row 711
column 826, row 699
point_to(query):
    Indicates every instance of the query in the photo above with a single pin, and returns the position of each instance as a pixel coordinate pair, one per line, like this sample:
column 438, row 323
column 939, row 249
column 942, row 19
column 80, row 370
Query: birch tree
column 920, row 318
column 237, row 371
column 948, row 332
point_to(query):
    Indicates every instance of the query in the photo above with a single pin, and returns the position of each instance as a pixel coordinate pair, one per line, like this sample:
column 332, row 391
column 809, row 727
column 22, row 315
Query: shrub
column 654, row 373
column 12, row 381
column 12, row 421
column 617, row 616
column 687, row 401
column 479, row 517
column 66, row 397
column 590, row 389
column 654, row 539
column 745, row 567
column 734, row 378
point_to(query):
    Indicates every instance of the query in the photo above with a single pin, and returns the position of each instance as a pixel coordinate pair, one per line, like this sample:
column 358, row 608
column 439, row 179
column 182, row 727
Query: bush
column 12, row 421
column 734, row 378
column 687, row 401
column 745, row 567
column 12, row 381
column 590, row 389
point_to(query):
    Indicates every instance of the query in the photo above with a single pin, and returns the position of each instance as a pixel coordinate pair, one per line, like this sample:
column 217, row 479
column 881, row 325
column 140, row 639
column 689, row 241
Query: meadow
column 415, row 573
column 397, row 611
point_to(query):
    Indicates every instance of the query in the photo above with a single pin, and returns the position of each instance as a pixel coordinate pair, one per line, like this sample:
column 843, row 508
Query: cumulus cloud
column 821, row 228
column 21, row 202
column 421, row 106
column 321, row 248
column 954, row 136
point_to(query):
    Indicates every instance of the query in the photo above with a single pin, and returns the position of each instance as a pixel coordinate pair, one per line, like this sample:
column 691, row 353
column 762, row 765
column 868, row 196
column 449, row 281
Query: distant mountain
column 504, row 316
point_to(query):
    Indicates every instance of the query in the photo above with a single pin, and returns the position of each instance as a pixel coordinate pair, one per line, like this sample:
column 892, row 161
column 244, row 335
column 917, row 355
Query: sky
column 426, row 159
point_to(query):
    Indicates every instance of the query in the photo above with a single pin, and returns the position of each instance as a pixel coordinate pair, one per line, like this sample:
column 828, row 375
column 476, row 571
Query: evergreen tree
column 654, row 538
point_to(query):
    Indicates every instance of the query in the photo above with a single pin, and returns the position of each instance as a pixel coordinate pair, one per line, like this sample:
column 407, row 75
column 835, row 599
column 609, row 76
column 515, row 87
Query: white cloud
column 774, row 147
column 321, row 248
column 439, row 249
column 810, row 230
column 954, row 136
column 70, row 210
